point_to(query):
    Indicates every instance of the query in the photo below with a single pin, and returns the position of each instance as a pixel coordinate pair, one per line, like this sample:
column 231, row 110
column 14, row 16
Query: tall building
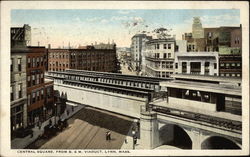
column 39, row 92
column 18, row 97
column 21, row 35
column 138, row 41
column 227, row 41
column 94, row 58
column 197, row 29
column 31, row 96
column 160, row 57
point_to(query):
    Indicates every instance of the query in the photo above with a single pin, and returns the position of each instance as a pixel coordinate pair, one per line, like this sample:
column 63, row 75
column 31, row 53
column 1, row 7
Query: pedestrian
column 109, row 135
column 126, row 141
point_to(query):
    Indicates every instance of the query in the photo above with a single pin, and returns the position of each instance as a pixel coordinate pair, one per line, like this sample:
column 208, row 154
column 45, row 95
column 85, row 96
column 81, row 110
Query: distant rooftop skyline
column 83, row 27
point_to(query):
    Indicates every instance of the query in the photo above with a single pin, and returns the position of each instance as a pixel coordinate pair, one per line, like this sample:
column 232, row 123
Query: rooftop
column 206, row 87
column 207, row 78
column 226, row 115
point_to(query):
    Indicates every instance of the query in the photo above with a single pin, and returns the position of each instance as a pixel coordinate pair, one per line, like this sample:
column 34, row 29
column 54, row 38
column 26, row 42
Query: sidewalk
column 21, row 143
column 129, row 139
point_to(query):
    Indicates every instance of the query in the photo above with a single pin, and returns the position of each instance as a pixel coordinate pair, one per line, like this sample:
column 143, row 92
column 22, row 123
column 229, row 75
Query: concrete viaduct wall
column 114, row 102
column 158, row 130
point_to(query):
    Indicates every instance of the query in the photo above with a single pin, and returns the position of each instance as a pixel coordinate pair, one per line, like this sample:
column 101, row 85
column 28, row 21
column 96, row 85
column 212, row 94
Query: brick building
column 93, row 58
column 227, row 41
column 32, row 97
column 39, row 92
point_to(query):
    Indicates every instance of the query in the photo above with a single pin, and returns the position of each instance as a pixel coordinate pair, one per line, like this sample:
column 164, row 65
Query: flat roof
column 207, row 78
column 206, row 87
column 224, row 115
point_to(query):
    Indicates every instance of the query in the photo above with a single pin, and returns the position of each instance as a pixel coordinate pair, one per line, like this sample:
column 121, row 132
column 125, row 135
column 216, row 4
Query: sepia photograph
column 124, row 78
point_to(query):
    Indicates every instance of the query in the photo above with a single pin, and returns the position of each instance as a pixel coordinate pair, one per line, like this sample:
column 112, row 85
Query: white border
column 6, row 7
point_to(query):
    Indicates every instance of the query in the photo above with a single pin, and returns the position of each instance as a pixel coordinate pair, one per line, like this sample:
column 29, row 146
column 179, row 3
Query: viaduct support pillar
column 149, row 130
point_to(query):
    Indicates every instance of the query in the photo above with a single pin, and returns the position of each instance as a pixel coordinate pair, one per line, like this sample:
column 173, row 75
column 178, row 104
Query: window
column 206, row 64
column 165, row 46
column 19, row 90
column 19, row 64
column 38, row 62
column 38, row 95
column 11, row 93
column 41, row 75
column 163, row 65
column 28, row 79
column 33, row 80
column 28, row 100
column 176, row 65
column 169, row 55
column 157, row 46
column 33, row 97
column 11, row 65
column 28, row 62
column 238, row 64
column 41, row 61
column 222, row 64
column 157, row 55
column 169, row 46
column 37, row 79
column 42, row 94
column 163, row 74
column 164, row 55
column 209, row 34
column 215, row 65
column 33, row 62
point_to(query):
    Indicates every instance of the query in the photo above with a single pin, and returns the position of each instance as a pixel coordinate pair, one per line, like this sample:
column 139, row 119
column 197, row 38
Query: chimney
column 49, row 46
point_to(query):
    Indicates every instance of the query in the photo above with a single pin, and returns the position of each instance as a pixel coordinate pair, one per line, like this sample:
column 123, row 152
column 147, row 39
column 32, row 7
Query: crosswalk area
column 87, row 130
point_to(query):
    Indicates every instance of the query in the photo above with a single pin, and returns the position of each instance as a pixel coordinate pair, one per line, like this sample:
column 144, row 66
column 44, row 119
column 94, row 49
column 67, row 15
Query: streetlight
column 134, row 138
column 44, row 111
column 55, row 113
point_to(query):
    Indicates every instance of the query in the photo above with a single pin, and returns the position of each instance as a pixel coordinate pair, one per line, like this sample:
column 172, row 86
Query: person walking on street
column 108, row 136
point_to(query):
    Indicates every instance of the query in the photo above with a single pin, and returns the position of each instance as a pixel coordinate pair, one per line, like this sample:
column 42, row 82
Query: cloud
column 94, row 19
column 77, row 19
column 125, row 11
column 119, row 18
column 97, row 19
column 220, row 20
column 104, row 21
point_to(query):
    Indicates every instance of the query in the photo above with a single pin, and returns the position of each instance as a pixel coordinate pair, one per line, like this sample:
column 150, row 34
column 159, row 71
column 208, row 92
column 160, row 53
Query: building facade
column 160, row 57
column 201, row 63
column 227, row 41
column 137, row 45
column 18, row 97
column 21, row 35
column 39, row 93
column 90, row 58
column 197, row 30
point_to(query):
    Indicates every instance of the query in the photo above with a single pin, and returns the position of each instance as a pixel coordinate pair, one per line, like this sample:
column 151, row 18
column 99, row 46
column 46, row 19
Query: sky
column 82, row 27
